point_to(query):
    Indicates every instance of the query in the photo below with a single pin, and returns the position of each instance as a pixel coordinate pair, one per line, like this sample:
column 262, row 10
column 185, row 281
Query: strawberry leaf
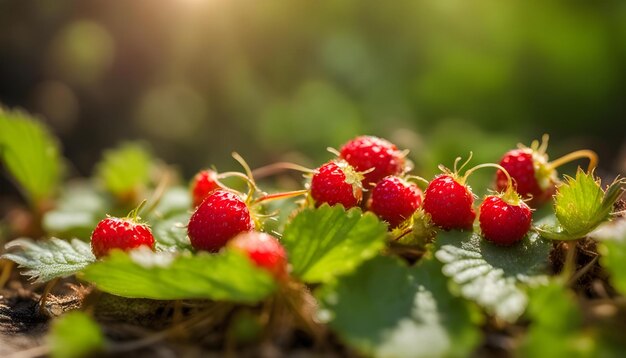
column 491, row 275
column 170, row 234
column 125, row 169
column 51, row 258
column 386, row 309
column 75, row 335
column 580, row 206
column 612, row 237
column 78, row 210
column 227, row 276
column 31, row 155
column 329, row 241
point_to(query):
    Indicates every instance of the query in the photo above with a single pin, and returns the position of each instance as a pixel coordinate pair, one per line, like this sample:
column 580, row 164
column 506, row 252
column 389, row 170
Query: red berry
column 530, row 173
column 504, row 223
column 336, row 182
column 367, row 152
column 219, row 218
column 203, row 184
column 395, row 200
column 123, row 234
column 449, row 203
column 264, row 250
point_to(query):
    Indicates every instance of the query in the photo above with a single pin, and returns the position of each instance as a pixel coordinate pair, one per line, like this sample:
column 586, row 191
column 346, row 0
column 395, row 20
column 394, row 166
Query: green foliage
column 125, row 169
column 31, row 155
column 51, row 258
column 170, row 234
column 386, row 309
column 612, row 246
column 227, row 276
column 329, row 241
column 78, row 210
column 491, row 275
column 174, row 201
column 580, row 206
column 75, row 335
column 555, row 330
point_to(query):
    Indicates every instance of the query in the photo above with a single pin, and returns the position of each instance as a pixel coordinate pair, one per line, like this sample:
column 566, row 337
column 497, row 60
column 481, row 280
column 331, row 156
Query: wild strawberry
column 366, row 153
column 533, row 176
column 395, row 200
column 203, row 184
column 504, row 221
column 219, row 218
column 123, row 234
column 449, row 203
column 264, row 250
column 336, row 182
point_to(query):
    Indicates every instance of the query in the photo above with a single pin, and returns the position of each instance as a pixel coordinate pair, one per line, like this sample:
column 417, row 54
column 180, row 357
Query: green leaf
column 31, row 154
column 75, row 335
column 125, row 169
column 329, row 241
column 171, row 234
column 555, row 332
column 79, row 209
column 51, row 258
column 386, row 309
column 612, row 246
column 580, row 206
column 174, row 201
column 489, row 274
column 228, row 276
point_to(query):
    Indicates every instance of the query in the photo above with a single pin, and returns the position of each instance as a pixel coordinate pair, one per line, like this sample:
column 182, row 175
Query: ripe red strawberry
column 264, row 250
column 395, row 200
column 449, row 203
column 219, row 218
column 336, row 182
column 203, row 184
column 532, row 176
column 504, row 221
column 367, row 152
column 123, row 234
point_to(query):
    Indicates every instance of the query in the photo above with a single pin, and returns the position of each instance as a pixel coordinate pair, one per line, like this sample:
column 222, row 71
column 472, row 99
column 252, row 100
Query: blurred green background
column 283, row 80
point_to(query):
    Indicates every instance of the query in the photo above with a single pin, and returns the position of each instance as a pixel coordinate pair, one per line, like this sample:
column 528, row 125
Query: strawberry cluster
column 368, row 172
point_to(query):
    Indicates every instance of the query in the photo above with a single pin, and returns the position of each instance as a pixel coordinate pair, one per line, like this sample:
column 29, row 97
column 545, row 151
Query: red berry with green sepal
column 120, row 233
column 449, row 203
column 504, row 221
column 372, row 153
column 264, row 250
column 336, row 182
column 219, row 218
column 203, row 184
column 532, row 176
column 394, row 200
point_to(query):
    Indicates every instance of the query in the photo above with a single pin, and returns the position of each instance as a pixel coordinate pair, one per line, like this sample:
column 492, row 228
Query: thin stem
column 251, row 184
column 509, row 180
column 45, row 294
column 277, row 196
column 271, row 169
column 416, row 179
column 579, row 154
column 7, row 269
column 248, row 171
column 471, row 154
column 156, row 195
column 333, row 151
column 570, row 259
column 583, row 270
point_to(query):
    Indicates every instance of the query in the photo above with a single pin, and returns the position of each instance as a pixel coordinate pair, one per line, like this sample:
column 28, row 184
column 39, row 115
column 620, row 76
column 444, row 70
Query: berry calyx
column 336, row 182
column 120, row 233
column 449, row 202
column 203, row 184
column 394, row 200
column 219, row 218
column 374, row 156
column 503, row 222
column 533, row 176
column 264, row 250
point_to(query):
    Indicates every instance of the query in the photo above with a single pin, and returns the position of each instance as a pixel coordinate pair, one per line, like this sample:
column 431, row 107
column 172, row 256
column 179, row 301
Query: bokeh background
column 284, row 79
